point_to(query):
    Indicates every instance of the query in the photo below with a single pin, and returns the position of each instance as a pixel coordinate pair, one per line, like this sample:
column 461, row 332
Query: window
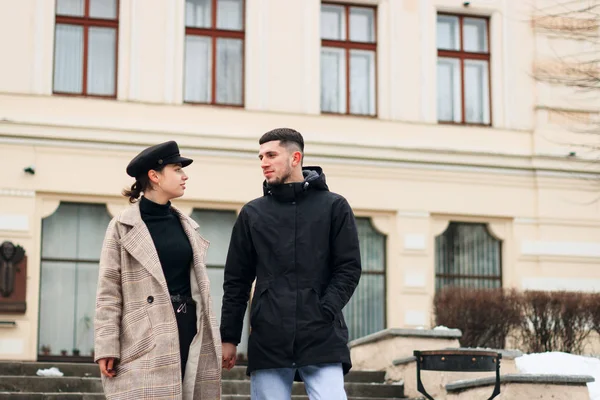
column 365, row 312
column 463, row 70
column 71, row 244
column 466, row 255
column 216, row 226
column 348, row 52
column 85, row 47
column 214, row 52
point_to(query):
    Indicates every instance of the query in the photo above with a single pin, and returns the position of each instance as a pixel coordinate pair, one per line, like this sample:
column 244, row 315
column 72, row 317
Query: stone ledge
column 402, row 361
column 506, row 354
column 424, row 333
column 521, row 378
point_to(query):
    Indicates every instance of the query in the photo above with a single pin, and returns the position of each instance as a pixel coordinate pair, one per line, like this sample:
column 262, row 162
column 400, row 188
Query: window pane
column 230, row 14
column 333, row 22
column 59, row 232
column 364, row 313
column 216, row 278
column 198, row 69
column 333, row 80
column 93, row 219
column 68, row 59
column 466, row 250
column 477, row 94
column 229, row 71
column 362, row 24
column 70, row 7
column 85, row 306
column 106, row 9
column 75, row 231
column 57, row 306
column 101, row 61
column 198, row 13
column 448, row 37
column 475, row 35
column 449, row 91
column 362, row 82
column 372, row 246
column 215, row 226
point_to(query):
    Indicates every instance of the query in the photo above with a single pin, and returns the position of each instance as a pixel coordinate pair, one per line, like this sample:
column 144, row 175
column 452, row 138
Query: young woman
column 155, row 332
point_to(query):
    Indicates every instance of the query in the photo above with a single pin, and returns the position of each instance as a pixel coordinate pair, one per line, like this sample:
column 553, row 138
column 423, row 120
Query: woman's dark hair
column 141, row 184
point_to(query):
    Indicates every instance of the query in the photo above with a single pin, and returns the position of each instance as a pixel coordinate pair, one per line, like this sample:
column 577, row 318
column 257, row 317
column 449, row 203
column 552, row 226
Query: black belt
column 179, row 299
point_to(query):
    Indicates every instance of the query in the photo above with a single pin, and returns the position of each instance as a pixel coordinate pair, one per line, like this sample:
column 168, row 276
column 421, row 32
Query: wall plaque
column 13, row 278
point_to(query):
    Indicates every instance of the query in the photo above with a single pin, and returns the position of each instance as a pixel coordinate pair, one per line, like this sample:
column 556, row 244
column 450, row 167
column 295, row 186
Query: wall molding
column 14, row 222
column 415, row 241
column 561, row 283
column 560, row 248
column 17, row 193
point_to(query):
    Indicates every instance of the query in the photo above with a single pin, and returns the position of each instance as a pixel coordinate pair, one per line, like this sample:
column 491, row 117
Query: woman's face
column 171, row 181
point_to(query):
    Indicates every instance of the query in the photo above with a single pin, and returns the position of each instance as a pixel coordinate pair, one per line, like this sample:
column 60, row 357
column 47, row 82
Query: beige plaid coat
column 135, row 321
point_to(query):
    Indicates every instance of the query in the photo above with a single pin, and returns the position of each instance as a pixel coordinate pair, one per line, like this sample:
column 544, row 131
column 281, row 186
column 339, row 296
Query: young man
column 300, row 243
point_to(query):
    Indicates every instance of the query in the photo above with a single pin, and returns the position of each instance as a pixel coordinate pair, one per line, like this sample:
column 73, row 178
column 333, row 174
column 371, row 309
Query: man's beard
column 282, row 179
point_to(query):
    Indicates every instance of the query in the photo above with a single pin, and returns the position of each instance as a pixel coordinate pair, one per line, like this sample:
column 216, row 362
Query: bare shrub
column 485, row 316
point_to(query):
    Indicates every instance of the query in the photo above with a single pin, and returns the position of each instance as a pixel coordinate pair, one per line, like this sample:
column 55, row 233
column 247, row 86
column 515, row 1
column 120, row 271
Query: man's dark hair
column 286, row 136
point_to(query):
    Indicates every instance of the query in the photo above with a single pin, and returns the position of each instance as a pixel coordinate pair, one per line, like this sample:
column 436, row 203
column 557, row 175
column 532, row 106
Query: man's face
column 276, row 162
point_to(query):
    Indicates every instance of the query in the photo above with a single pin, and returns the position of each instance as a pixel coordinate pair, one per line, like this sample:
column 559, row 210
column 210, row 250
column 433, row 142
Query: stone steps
column 18, row 380
column 370, row 390
column 39, row 384
column 99, row 396
column 70, row 384
column 50, row 396
column 92, row 370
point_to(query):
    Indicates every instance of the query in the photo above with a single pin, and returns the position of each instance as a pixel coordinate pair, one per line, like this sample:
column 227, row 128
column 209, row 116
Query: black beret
column 155, row 157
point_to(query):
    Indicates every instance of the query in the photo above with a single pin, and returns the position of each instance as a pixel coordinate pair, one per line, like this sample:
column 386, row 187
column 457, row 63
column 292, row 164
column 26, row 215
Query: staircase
column 18, row 380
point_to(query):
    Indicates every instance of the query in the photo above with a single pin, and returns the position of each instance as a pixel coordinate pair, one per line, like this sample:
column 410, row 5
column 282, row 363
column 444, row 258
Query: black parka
column 300, row 242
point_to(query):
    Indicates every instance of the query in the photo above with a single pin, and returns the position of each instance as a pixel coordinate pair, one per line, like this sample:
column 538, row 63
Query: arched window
column 467, row 255
column 216, row 227
column 71, row 244
column 365, row 312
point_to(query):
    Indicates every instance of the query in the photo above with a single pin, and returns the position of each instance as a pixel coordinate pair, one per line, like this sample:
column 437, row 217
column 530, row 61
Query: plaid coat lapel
column 139, row 244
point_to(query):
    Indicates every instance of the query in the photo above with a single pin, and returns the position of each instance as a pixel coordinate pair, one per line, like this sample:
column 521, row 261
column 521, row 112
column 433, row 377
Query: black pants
column 186, row 324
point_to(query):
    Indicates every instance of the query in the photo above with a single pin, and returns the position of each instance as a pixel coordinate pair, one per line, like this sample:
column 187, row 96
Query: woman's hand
column 107, row 367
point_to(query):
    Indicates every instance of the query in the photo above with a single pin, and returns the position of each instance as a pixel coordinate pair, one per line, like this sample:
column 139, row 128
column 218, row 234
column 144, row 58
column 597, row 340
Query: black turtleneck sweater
column 172, row 244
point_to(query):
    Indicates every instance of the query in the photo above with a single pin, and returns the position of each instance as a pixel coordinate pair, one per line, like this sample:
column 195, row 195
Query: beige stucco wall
column 380, row 355
column 411, row 175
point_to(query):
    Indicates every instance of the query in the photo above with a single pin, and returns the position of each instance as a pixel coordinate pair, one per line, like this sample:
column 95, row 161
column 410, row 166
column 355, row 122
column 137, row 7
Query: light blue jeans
column 322, row 382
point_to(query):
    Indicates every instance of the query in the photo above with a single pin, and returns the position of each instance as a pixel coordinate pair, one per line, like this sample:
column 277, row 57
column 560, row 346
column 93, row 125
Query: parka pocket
column 257, row 300
column 136, row 335
column 318, row 307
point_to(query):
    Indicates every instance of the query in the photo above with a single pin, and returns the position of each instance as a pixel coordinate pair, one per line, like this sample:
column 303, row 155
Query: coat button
column 150, row 299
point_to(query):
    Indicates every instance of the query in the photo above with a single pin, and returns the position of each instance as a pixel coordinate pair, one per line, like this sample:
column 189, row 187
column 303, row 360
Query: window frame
column 87, row 22
column 347, row 45
column 215, row 33
column 461, row 56
column 494, row 278
column 383, row 273
column 56, row 357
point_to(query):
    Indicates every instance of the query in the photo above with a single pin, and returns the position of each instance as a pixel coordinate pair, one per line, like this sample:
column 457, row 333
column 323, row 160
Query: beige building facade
column 460, row 167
